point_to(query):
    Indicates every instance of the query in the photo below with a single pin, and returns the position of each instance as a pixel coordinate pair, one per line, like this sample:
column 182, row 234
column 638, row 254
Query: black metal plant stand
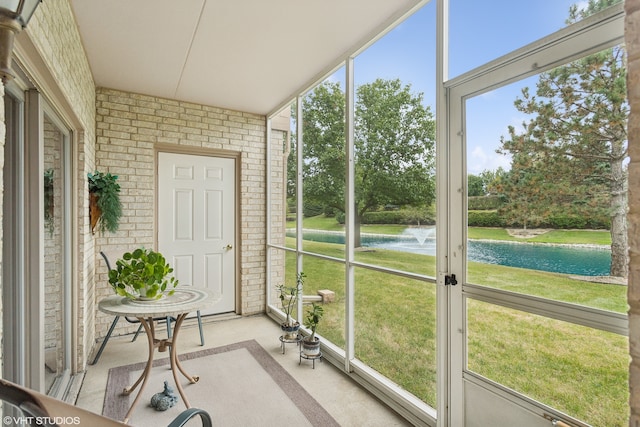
column 283, row 341
column 309, row 357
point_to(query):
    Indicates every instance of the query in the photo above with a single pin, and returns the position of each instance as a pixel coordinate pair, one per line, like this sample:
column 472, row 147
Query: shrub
column 565, row 221
column 485, row 219
column 480, row 203
column 411, row 216
column 384, row 217
column 311, row 210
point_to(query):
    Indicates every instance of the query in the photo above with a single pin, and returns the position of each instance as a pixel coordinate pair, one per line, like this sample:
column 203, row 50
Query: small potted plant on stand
column 311, row 344
column 289, row 299
column 143, row 275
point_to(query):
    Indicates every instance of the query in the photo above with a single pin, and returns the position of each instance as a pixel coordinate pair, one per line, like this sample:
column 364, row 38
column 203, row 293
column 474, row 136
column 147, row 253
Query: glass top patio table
column 179, row 305
column 184, row 300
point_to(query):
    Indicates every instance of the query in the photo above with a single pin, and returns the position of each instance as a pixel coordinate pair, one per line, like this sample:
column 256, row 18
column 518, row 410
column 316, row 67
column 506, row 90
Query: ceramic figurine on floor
column 164, row 400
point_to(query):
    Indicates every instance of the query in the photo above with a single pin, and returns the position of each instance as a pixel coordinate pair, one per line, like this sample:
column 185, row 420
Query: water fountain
column 421, row 234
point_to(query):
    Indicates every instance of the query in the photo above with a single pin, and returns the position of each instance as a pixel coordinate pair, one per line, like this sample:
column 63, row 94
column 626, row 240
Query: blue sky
column 479, row 33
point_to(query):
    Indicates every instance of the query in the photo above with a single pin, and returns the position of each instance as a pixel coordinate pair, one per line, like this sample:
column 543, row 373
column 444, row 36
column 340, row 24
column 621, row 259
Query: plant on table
column 143, row 274
column 289, row 299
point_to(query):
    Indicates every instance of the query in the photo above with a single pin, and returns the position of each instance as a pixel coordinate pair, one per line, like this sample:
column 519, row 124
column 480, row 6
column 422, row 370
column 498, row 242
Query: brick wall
column 279, row 154
column 632, row 39
column 128, row 128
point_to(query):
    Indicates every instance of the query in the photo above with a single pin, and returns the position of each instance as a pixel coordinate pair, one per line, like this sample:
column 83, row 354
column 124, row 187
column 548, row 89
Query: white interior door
column 196, row 222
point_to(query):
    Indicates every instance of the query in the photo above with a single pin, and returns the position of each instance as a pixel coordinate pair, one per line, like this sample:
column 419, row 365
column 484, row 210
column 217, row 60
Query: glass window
column 323, row 169
column 56, row 280
column 395, row 327
column 325, row 279
column 519, row 23
column 546, row 171
column 395, row 148
column 580, row 371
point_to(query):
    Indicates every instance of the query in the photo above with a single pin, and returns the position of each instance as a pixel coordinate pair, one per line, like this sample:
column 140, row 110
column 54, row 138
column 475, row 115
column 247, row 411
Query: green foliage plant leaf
column 289, row 296
column 314, row 314
column 107, row 190
column 143, row 273
column 49, row 201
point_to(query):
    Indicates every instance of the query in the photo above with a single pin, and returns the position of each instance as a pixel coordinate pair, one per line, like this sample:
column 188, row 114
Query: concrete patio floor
column 345, row 400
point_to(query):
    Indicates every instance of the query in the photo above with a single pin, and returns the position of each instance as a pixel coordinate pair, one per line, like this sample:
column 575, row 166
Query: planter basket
column 94, row 211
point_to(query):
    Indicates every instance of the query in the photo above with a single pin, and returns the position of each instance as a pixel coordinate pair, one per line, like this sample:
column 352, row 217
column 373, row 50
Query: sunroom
column 372, row 151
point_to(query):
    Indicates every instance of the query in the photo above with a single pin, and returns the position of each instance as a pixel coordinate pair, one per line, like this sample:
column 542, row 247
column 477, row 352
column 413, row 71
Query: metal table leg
column 175, row 362
column 142, row 381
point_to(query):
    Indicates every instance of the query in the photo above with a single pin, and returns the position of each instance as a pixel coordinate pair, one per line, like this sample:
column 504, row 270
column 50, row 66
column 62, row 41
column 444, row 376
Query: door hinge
column 450, row 279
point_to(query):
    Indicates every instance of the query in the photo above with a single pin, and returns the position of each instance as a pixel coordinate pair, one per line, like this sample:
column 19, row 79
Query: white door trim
column 228, row 154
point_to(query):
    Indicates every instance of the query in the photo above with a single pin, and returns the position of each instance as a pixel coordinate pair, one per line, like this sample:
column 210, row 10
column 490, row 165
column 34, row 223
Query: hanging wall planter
column 105, row 208
column 49, row 201
column 94, row 211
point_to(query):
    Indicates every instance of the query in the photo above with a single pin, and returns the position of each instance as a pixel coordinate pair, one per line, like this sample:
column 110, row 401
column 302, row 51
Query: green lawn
column 571, row 237
column 578, row 370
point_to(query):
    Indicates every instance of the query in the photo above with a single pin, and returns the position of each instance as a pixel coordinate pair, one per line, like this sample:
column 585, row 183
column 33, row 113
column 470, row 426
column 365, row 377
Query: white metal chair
column 38, row 409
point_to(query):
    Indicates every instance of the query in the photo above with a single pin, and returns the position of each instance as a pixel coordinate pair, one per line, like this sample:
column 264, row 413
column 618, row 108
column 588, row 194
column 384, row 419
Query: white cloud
column 480, row 160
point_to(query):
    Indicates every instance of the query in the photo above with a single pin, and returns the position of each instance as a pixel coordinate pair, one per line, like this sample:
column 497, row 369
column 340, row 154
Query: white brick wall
column 279, row 155
column 128, row 128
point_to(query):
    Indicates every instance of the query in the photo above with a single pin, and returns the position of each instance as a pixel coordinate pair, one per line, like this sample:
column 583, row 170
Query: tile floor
column 345, row 400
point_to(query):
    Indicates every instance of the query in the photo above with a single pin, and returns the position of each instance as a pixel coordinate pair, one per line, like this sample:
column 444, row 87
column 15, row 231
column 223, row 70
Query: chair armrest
column 186, row 415
column 35, row 404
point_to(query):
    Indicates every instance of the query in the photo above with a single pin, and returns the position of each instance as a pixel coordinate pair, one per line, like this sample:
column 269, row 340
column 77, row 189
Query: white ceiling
column 247, row 55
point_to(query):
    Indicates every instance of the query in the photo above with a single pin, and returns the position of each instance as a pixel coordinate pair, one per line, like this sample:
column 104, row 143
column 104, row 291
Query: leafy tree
column 484, row 184
column 490, row 179
column 323, row 115
column 572, row 152
column 394, row 147
column 475, row 186
column 528, row 191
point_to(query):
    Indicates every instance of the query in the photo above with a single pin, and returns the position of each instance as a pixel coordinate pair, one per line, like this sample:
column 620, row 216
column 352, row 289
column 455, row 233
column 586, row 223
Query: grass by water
column 578, row 370
column 567, row 237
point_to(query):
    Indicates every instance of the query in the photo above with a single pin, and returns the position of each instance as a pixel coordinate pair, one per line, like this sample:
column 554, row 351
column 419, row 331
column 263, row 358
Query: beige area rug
column 240, row 385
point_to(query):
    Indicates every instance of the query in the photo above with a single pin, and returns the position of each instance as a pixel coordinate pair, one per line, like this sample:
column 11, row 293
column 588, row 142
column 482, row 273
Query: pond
column 578, row 260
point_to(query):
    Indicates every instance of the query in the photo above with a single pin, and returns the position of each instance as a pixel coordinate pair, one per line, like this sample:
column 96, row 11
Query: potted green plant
column 311, row 343
column 105, row 208
column 144, row 275
column 289, row 298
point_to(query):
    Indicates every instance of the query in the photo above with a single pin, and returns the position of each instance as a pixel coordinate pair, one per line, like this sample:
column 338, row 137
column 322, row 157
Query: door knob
column 228, row 247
